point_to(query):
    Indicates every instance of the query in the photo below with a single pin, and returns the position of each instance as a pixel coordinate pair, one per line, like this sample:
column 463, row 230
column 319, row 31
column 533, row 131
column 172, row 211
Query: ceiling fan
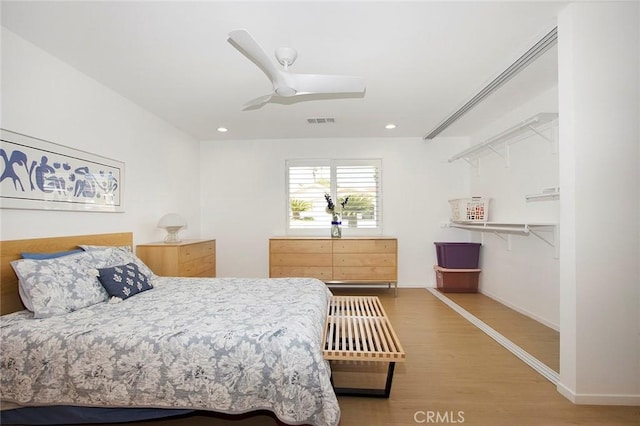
column 285, row 83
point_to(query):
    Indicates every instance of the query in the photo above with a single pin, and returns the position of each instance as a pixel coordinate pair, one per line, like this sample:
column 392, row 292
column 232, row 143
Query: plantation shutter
column 309, row 180
column 360, row 182
column 306, row 202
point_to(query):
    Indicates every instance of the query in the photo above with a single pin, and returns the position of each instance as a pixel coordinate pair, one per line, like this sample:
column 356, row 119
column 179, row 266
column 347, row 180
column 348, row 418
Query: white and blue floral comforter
column 228, row 345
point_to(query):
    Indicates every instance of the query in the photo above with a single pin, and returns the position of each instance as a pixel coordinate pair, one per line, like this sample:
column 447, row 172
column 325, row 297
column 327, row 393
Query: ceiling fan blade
column 287, row 84
column 257, row 102
column 243, row 41
column 319, row 83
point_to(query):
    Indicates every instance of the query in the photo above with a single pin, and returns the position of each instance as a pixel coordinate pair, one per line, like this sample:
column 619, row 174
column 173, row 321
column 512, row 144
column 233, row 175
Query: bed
column 225, row 345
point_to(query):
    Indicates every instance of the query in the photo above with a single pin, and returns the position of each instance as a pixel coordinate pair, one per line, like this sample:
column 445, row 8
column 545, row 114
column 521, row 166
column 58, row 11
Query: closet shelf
column 503, row 227
column 537, row 229
column 546, row 194
column 533, row 124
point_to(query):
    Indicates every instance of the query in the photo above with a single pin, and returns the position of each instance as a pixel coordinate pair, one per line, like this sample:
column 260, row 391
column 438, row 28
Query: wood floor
column 539, row 340
column 454, row 373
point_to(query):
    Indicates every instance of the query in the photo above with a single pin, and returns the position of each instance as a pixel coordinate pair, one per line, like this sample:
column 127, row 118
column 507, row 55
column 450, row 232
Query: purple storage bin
column 458, row 255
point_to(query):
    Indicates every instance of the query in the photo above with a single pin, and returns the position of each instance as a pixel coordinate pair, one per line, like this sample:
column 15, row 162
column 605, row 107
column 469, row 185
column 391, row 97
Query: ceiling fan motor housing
column 286, row 56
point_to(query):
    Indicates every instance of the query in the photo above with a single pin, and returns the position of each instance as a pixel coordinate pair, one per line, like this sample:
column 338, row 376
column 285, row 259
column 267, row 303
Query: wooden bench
column 358, row 329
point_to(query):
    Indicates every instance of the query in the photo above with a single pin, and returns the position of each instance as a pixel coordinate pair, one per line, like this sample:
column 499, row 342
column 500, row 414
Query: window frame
column 334, row 164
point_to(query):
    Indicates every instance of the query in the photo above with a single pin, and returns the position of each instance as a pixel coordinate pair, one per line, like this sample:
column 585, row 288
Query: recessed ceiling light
column 222, row 129
column 390, row 126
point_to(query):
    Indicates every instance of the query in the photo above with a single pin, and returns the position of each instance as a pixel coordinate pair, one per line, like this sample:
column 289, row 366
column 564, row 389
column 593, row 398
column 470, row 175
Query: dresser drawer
column 196, row 251
column 300, row 246
column 369, row 273
column 369, row 259
column 197, row 267
column 322, row 273
column 366, row 246
column 300, row 259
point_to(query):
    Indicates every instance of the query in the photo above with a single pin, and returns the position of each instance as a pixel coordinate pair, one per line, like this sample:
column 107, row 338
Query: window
column 309, row 180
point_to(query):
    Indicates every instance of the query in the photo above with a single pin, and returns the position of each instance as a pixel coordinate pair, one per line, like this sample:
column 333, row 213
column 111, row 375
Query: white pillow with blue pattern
column 124, row 281
column 60, row 285
column 108, row 256
column 24, row 296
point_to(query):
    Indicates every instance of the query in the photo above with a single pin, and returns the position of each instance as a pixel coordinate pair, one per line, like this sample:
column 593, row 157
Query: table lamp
column 173, row 223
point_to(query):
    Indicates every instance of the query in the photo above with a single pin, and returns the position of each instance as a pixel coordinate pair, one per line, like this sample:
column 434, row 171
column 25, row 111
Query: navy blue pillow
column 124, row 281
column 43, row 256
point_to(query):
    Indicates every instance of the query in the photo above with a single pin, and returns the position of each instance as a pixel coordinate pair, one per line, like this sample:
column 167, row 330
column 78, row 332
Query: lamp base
column 172, row 235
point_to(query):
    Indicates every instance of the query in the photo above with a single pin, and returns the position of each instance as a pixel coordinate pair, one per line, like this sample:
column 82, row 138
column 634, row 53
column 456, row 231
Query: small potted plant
column 336, row 215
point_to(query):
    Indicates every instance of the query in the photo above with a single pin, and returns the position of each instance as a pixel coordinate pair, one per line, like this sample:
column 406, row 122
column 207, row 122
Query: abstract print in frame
column 37, row 174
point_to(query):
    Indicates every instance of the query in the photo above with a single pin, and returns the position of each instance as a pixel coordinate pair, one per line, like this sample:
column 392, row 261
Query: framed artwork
column 37, row 174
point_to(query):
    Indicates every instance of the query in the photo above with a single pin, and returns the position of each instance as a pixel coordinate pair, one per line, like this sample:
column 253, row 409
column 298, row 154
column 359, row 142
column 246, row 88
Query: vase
column 336, row 226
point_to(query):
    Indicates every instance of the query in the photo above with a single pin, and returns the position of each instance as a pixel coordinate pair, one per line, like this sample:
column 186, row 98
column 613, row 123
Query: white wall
column 45, row 98
column 599, row 99
column 243, row 196
column 524, row 276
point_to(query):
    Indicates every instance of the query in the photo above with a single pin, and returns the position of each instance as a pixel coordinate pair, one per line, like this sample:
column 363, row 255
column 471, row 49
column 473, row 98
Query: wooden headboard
column 12, row 250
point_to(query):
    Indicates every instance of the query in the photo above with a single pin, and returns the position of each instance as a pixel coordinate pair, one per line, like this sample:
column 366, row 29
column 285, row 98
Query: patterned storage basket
column 475, row 209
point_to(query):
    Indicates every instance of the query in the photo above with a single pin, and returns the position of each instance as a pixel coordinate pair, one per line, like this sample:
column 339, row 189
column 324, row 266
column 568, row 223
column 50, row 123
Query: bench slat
column 358, row 328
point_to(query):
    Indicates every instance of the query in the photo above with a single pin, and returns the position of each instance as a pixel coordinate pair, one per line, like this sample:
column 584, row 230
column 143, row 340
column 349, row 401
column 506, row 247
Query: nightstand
column 188, row 258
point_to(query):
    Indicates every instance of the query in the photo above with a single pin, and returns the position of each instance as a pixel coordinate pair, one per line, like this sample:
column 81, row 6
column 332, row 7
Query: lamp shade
column 173, row 223
column 171, row 219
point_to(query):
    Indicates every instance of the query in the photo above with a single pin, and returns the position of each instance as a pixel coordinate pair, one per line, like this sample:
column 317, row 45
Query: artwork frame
column 43, row 175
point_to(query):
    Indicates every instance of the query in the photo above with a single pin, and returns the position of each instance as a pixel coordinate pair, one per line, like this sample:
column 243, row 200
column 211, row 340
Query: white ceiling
column 420, row 60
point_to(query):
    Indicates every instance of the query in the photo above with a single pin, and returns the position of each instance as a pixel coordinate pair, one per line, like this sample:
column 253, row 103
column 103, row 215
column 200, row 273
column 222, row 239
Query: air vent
column 321, row 120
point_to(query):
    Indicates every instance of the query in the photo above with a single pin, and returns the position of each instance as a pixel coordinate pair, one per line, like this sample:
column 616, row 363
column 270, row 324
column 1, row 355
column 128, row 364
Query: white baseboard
column 597, row 399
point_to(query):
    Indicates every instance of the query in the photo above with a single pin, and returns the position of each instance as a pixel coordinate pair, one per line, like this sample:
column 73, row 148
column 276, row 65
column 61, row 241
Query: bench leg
column 371, row 393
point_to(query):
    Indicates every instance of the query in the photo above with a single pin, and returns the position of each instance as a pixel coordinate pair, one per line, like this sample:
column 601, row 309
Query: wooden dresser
column 188, row 258
column 358, row 260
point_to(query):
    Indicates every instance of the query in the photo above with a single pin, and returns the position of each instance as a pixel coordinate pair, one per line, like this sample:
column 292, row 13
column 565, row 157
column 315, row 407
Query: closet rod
column 544, row 44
